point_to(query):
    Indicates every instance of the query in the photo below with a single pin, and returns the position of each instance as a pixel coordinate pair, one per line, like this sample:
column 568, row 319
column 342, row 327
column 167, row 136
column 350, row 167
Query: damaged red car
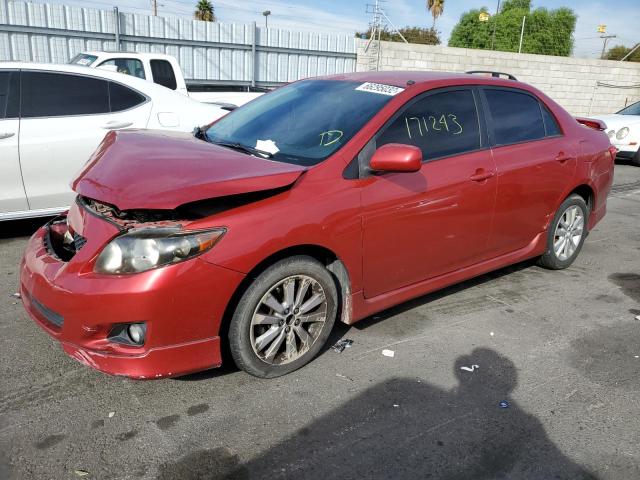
column 326, row 200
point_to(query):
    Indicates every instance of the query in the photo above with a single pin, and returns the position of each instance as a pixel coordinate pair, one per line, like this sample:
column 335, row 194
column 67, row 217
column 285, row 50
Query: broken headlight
column 147, row 248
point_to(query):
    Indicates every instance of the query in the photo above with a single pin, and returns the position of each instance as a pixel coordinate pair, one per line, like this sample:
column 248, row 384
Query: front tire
column 566, row 234
column 284, row 318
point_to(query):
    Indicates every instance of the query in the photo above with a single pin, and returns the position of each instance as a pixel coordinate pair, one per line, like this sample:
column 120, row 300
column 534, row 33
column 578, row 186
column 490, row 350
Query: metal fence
column 209, row 53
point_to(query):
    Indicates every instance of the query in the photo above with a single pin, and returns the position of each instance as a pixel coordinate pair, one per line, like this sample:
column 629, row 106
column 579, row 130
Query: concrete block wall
column 572, row 82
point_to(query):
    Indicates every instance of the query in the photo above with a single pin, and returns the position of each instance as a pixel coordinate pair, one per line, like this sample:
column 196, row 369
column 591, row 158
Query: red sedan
column 326, row 200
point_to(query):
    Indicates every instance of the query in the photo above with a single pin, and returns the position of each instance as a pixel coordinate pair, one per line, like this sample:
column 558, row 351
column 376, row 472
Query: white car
column 623, row 129
column 53, row 117
column 164, row 70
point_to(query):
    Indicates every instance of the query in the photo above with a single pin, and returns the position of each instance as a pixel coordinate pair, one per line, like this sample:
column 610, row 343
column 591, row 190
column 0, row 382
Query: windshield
column 633, row 109
column 302, row 123
column 83, row 59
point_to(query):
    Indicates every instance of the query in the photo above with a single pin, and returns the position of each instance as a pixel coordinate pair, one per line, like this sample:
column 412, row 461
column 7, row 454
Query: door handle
column 481, row 175
column 563, row 158
column 6, row 135
column 115, row 125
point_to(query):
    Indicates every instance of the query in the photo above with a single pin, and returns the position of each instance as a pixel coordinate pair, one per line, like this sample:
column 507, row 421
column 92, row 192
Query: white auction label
column 380, row 88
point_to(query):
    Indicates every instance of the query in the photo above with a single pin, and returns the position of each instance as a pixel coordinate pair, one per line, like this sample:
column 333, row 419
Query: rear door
column 421, row 225
column 64, row 118
column 12, row 194
column 535, row 165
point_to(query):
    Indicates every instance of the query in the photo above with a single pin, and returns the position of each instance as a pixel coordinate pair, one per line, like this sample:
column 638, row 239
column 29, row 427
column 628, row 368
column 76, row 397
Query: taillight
column 613, row 151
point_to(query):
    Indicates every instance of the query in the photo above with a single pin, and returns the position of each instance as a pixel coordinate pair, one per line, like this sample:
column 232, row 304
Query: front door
column 12, row 194
column 421, row 225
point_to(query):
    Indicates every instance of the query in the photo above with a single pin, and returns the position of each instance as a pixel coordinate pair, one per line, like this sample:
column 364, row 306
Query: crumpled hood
column 163, row 170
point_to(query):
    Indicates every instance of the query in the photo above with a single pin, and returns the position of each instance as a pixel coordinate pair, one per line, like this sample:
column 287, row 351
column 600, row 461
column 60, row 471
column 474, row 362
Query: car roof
column 137, row 83
column 140, row 55
column 402, row 78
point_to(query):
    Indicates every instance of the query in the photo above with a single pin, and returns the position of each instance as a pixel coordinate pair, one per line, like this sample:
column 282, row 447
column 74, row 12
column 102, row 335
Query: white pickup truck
column 165, row 70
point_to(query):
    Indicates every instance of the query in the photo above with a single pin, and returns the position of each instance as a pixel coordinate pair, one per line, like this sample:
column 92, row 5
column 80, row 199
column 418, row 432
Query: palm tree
column 204, row 11
column 436, row 7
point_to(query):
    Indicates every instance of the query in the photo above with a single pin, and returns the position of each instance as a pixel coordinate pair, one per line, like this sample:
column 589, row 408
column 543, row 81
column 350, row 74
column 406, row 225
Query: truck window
column 128, row 66
column 83, row 59
column 163, row 74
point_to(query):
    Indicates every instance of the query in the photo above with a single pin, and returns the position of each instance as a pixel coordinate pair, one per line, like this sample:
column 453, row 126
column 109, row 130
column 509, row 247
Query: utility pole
column 522, row 34
column 604, row 45
column 154, row 7
column 495, row 21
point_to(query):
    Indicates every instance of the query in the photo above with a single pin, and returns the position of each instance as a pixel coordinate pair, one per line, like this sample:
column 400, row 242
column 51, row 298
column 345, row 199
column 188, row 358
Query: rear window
column 162, row 72
column 123, row 98
column 441, row 124
column 128, row 66
column 517, row 117
column 57, row 94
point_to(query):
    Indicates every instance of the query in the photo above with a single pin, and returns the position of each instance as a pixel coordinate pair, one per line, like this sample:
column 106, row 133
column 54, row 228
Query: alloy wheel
column 288, row 320
column 568, row 234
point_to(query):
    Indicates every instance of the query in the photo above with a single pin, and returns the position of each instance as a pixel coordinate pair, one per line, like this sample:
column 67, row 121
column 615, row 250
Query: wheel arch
column 586, row 192
column 324, row 255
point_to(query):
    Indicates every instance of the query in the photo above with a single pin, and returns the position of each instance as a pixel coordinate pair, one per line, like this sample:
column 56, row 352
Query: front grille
column 48, row 314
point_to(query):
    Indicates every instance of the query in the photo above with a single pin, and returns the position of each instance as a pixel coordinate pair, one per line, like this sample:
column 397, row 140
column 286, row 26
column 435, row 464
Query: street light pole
column 154, row 5
column 266, row 14
column 522, row 34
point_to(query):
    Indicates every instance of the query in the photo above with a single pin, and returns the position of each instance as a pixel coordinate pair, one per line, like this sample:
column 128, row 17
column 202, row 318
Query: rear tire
column 566, row 234
column 284, row 318
column 635, row 160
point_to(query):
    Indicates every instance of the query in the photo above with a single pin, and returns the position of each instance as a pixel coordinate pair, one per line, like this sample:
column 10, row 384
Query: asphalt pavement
column 554, row 394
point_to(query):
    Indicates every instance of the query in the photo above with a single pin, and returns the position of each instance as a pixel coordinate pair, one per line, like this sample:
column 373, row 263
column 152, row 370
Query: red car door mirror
column 397, row 157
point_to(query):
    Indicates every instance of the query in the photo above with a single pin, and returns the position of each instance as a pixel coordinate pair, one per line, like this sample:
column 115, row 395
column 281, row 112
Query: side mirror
column 397, row 157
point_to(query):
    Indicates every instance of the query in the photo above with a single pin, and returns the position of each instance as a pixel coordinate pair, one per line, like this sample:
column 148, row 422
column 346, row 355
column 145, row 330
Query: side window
column 123, row 98
column 9, row 94
column 440, row 124
column 4, row 93
column 128, row 66
column 163, row 74
column 57, row 94
column 516, row 116
column 550, row 123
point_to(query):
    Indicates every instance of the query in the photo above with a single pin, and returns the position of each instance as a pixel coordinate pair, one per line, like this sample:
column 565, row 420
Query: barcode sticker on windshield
column 380, row 88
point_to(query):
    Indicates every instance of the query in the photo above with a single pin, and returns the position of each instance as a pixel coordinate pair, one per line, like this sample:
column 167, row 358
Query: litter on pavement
column 342, row 344
column 472, row 368
column 504, row 404
column 388, row 353
column 111, row 414
column 637, row 317
column 16, row 295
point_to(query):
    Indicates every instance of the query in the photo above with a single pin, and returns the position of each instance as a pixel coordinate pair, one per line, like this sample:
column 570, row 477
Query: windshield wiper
column 245, row 149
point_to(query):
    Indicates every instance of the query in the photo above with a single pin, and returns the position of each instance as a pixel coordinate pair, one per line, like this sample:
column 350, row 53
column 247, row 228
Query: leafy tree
column 547, row 32
column 204, row 11
column 618, row 52
column 436, row 7
column 425, row 36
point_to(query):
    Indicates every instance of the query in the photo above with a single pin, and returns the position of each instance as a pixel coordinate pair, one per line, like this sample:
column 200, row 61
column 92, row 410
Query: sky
column 346, row 16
